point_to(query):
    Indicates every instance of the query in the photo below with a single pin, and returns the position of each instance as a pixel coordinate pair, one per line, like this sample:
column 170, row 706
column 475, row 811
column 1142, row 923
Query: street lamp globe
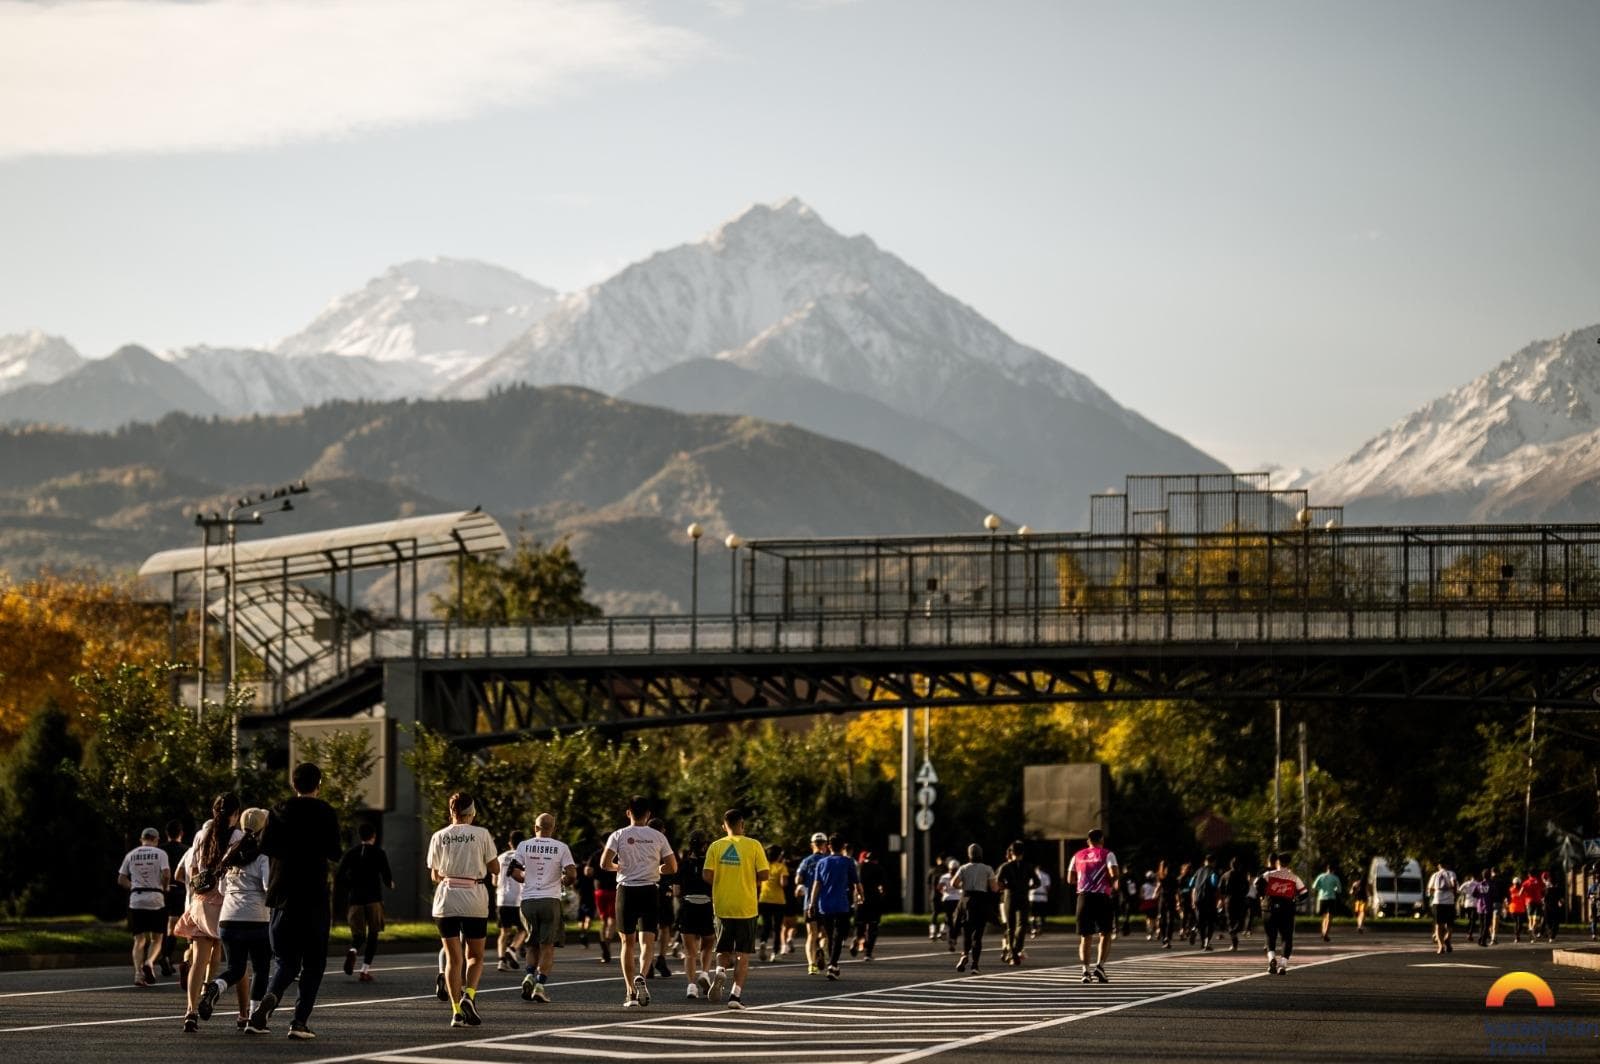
column 695, row 531
column 734, row 541
column 991, row 522
column 1024, row 531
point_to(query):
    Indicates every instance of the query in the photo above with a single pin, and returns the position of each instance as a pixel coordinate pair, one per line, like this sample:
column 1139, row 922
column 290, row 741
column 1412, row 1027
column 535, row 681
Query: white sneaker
column 717, row 982
column 693, row 993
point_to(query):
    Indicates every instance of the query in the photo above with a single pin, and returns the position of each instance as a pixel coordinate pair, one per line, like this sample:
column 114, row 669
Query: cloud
column 115, row 76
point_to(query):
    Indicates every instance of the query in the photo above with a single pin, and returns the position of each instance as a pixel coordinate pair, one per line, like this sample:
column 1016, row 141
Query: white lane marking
column 89, row 1023
column 70, row 990
column 1450, row 964
column 979, row 1039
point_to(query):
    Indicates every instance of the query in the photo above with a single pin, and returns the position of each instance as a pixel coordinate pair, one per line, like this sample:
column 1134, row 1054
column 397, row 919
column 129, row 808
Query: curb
column 1577, row 958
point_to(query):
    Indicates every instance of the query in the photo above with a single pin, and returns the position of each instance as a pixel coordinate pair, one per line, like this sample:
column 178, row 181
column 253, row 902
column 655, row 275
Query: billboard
column 1065, row 801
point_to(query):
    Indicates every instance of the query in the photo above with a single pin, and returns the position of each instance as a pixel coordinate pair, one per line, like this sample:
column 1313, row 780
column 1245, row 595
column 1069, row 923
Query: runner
column 1555, row 904
column 666, row 918
column 1186, row 928
column 177, row 897
column 1517, row 908
column 1592, row 892
column 696, row 919
column 364, row 871
column 1533, row 898
column 1465, row 894
column 1480, row 899
column 736, row 866
column 1166, row 904
column 243, row 920
column 1016, row 878
column 1326, row 887
column 1093, row 874
column 978, row 888
column 874, row 895
column 1358, row 903
column 836, row 886
column 803, row 878
column 1206, row 898
column 1236, row 900
column 301, row 838
column 639, row 855
column 508, row 908
column 605, row 900
column 146, row 875
column 950, row 899
column 1148, row 905
column 1442, row 895
column 583, row 887
column 201, row 870
column 460, row 857
column 1280, row 890
column 771, row 904
column 547, row 866
column 1038, row 903
column 935, row 896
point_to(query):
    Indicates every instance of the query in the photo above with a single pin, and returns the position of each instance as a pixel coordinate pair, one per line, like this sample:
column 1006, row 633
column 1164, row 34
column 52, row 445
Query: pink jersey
column 1092, row 867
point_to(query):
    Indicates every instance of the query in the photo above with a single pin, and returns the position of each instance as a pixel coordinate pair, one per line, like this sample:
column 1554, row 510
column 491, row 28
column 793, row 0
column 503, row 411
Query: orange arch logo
column 1511, row 982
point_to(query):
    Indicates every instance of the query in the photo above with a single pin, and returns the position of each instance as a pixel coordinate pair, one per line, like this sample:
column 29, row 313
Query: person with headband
column 461, row 858
column 146, row 875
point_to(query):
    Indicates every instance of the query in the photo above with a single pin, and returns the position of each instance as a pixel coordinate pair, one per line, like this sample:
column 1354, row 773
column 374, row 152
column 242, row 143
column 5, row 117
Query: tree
column 41, row 798
column 537, row 584
column 346, row 759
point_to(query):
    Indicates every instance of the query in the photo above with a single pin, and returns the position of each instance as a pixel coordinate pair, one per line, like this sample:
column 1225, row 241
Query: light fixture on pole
column 992, row 523
column 695, row 532
column 1023, row 532
column 733, row 543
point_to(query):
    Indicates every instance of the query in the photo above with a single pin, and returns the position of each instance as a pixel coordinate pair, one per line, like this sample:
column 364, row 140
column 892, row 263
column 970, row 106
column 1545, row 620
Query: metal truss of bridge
column 1205, row 588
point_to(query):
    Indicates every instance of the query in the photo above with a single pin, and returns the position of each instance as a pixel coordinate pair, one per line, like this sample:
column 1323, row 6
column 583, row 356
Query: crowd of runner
column 250, row 894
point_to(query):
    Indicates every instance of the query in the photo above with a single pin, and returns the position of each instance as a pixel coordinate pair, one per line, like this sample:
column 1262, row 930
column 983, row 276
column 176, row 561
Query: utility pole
column 907, row 868
column 1527, row 796
column 1277, row 773
column 1305, row 802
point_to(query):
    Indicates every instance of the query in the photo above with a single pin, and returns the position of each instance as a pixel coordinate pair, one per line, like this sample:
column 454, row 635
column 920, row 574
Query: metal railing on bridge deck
column 680, row 635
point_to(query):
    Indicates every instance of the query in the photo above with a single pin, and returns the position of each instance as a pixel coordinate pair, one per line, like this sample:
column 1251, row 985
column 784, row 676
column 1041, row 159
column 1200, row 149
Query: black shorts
column 177, row 901
column 1094, row 913
column 638, row 909
column 694, row 918
column 1444, row 915
column 1325, row 905
column 736, row 935
column 147, row 921
column 510, row 918
column 665, row 918
column 471, row 928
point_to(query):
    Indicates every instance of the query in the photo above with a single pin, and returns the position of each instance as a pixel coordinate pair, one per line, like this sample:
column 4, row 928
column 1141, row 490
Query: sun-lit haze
column 1271, row 228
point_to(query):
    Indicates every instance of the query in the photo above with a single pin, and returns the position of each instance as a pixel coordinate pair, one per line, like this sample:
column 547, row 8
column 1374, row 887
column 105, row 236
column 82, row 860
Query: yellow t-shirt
column 734, row 861
column 772, row 887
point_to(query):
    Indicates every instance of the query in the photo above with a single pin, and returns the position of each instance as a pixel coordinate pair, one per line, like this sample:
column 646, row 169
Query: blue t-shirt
column 804, row 873
column 834, row 874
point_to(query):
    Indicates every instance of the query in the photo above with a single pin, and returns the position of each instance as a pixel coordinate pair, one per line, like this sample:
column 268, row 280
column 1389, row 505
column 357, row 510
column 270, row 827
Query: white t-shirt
column 143, row 866
column 640, row 851
column 510, row 890
column 190, row 861
column 1041, row 893
column 461, row 853
column 1442, row 887
column 244, row 892
column 949, row 887
column 543, row 862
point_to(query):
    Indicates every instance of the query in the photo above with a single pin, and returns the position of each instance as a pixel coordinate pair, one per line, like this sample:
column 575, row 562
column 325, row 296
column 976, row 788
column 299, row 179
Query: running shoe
column 349, row 962
column 1087, row 978
column 1099, row 973
column 365, row 976
column 540, row 994
column 457, row 1020
column 641, row 991
column 242, row 1022
column 974, row 970
column 262, row 1013
column 1283, row 967
column 630, row 1002
column 833, row 972
column 439, row 988
column 763, row 954
column 140, row 980
column 1272, row 966
column 469, row 1009
column 867, row 958
column 788, row 947
column 208, row 999
column 166, row 966
column 150, row 974
column 692, row 992
column 528, row 984
column 605, row 952
column 734, row 1002
column 662, row 968
column 702, row 983
column 301, row 1033
column 961, row 965
column 855, row 949
column 812, row 969
column 714, row 990
column 191, row 1023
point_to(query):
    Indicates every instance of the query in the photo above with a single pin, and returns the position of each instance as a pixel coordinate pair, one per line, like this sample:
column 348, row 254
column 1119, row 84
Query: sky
column 1273, row 228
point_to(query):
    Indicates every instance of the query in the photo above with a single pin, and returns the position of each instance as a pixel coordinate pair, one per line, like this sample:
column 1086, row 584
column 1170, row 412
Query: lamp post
column 695, row 532
column 1028, row 590
column 733, row 543
column 992, row 523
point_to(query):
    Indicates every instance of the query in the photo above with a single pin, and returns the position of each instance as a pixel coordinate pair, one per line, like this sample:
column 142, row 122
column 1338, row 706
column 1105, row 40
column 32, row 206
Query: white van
column 1395, row 896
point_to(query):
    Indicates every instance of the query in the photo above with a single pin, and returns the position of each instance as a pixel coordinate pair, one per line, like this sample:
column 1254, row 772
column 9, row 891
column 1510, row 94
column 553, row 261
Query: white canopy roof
column 308, row 554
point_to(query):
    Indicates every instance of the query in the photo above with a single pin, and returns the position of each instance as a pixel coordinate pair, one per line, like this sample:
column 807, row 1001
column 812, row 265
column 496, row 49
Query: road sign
column 925, row 774
column 924, row 819
column 926, row 796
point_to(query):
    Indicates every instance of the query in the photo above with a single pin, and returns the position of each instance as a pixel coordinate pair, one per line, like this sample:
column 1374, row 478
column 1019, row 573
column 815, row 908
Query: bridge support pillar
column 404, row 832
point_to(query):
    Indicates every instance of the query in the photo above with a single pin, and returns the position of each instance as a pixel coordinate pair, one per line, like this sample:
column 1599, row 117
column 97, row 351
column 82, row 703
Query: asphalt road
column 1356, row 999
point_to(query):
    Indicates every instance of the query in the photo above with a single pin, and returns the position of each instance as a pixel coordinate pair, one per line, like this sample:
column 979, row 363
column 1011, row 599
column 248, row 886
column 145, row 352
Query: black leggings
column 837, row 927
column 867, row 930
column 974, row 919
column 1016, row 926
column 1280, row 924
column 246, row 944
column 1166, row 923
column 772, row 924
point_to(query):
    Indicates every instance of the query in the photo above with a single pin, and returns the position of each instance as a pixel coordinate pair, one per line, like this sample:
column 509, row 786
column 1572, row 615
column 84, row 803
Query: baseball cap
column 818, row 836
column 149, row 833
column 253, row 820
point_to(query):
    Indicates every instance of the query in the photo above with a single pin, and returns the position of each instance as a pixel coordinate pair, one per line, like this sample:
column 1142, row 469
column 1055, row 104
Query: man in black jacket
column 300, row 838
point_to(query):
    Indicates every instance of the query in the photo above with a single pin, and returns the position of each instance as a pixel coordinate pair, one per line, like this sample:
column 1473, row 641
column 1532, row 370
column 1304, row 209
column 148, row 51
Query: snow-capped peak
column 441, row 313
column 35, row 357
column 1489, row 433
